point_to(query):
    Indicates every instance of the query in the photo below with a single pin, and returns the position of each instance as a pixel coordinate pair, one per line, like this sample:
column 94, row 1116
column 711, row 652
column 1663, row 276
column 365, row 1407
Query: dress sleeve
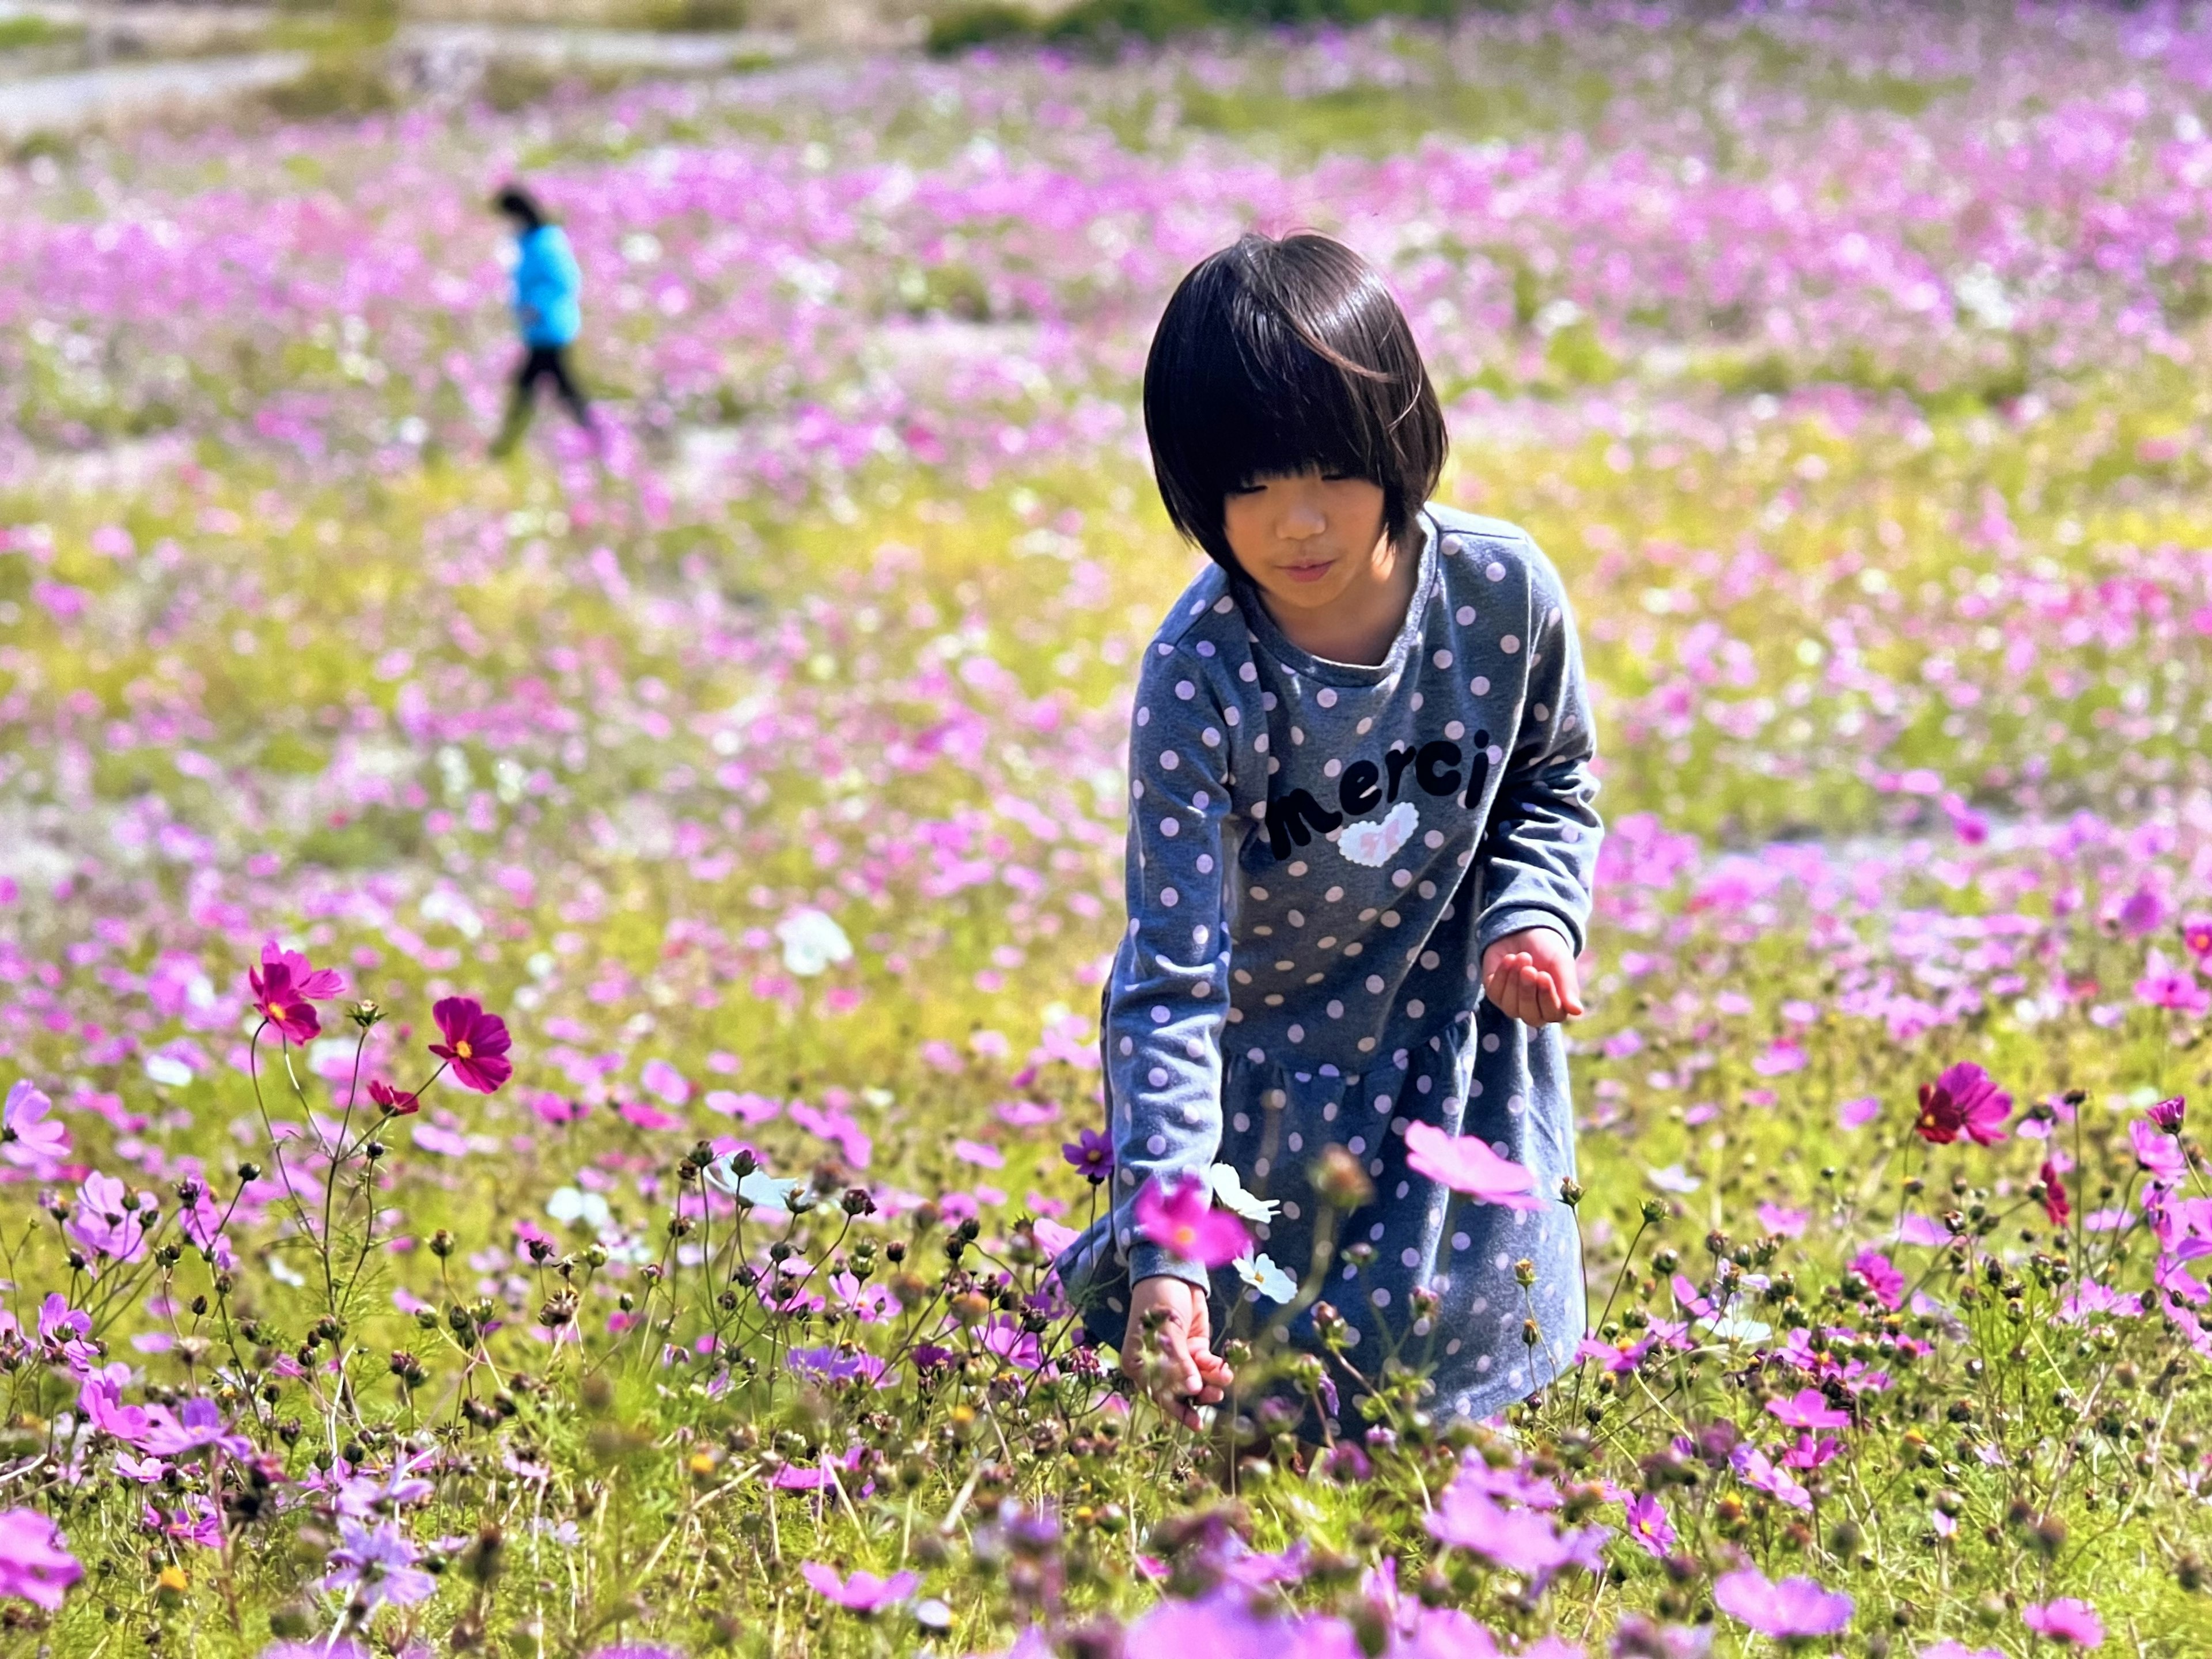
column 1168, row 999
column 1541, row 846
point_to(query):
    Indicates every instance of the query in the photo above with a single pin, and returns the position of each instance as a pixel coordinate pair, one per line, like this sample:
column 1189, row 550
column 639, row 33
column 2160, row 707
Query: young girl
column 1361, row 842
column 546, row 281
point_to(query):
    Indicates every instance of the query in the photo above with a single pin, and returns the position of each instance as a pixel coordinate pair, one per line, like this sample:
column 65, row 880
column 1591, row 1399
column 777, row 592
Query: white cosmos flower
column 572, row 1204
column 1261, row 1274
column 811, row 942
column 1229, row 1193
column 760, row 1189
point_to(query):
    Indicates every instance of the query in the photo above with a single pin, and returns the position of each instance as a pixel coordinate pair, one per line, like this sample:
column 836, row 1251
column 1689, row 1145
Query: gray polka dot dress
column 1318, row 853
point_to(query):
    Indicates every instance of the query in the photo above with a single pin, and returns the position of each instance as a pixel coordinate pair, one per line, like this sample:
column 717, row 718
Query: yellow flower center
column 461, row 1049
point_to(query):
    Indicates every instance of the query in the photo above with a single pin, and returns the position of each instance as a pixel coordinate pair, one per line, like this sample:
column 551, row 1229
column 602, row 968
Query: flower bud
column 1341, row 1180
column 365, row 1013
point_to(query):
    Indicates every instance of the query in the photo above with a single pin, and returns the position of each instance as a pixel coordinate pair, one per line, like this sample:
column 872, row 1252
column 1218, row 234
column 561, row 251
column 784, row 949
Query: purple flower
column 34, row 1566
column 1796, row 1607
column 63, row 1331
column 1090, row 1155
column 2143, row 912
column 104, row 1224
column 27, row 1139
column 101, row 1399
column 2157, row 1152
column 1522, row 1541
column 863, row 1593
column 2172, row 987
column 377, row 1564
column 2168, row 1114
column 316, row 984
column 281, row 1003
column 1649, row 1526
column 1756, row 1470
column 831, row 1365
column 2069, row 1621
column 170, row 1434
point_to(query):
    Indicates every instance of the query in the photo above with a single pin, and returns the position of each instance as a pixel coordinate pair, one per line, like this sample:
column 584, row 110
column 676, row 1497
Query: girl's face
column 1307, row 540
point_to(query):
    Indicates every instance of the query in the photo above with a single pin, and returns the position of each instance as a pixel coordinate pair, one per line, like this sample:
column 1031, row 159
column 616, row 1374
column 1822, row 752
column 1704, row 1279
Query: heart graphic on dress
column 1372, row 844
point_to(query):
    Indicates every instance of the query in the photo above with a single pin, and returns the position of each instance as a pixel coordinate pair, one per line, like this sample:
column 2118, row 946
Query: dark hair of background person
column 1281, row 356
column 518, row 203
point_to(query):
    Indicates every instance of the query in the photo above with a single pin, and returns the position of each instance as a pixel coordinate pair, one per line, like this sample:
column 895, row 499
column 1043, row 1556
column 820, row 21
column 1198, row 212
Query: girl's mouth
column 1308, row 573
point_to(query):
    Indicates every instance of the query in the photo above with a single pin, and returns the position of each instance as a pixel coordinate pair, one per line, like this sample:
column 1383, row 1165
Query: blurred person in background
column 546, row 284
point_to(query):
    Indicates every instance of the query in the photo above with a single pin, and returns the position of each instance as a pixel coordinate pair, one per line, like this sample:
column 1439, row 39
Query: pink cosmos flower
column 2157, row 1152
column 33, row 1565
column 1466, row 1165
column 1887, row 1283
column 1964, row 1099
column 2069, row 1621
column 1794, row 1607
column 863, row 1593
column 1649, row 1526
column 1808, row 1409
column 29, row 1140
column 475, row 1044
column 1524, row 1540
column 1184, row 1222
column 105, row 1222
column 2163, row 986
column 2168, row 1114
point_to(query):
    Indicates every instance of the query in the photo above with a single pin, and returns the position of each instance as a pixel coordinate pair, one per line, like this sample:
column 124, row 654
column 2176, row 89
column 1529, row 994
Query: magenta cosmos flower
column 475, row 1044
column 1466, row 1165
column 1090, row 1155
column 2069, row 1621
column 2168, row 1113
column 1963, row 1101
column 1184, row 1222
column 1794, row 1607
column 33, row 1565
column 863, row 1593
column 400, row 1103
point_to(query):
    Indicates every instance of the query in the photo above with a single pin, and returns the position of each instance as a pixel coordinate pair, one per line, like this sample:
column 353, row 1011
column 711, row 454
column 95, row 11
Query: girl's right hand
column 1181, row 1372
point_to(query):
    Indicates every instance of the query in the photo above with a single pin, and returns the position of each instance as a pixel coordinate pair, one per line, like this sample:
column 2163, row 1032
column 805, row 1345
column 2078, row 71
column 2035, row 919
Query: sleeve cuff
column 1151, row 1262
column 1496, row 927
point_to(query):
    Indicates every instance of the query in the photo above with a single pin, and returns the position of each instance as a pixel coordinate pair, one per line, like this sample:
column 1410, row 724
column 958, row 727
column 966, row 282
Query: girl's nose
column 1302, row 521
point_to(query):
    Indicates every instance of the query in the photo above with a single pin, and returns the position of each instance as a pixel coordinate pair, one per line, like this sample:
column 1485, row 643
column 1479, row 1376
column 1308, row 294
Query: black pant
column 540, row 362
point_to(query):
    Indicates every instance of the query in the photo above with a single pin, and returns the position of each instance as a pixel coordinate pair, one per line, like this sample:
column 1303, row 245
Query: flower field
column 548, row 1009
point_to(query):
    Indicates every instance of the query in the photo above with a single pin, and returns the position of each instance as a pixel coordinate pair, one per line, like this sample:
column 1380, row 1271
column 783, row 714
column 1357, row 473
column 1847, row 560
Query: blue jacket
column 546, row 281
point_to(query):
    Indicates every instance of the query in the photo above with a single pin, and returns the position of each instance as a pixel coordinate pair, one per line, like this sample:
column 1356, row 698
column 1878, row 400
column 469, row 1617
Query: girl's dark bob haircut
column 1277, row 357
column 520, row 204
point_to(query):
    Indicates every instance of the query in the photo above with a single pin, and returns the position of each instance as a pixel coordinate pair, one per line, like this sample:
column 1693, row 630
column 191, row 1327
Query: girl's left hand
column 1530, row 976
